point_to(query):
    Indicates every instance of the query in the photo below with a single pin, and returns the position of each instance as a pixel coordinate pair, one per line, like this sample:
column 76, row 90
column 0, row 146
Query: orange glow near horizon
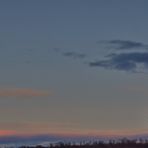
column 7, row 133
column 75, row 133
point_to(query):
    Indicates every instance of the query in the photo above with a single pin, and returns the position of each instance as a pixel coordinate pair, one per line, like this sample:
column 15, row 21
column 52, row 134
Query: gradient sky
column 73, row 67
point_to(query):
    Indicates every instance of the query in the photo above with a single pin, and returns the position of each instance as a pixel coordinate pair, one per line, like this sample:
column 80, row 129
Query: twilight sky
column 73, row 67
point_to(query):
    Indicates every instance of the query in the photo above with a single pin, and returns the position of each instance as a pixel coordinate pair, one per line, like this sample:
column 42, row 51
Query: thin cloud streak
column 23, row 92
column 70, row 54
column 7, row 132
column 123, row 44
column 74, row 55
column 75, row 132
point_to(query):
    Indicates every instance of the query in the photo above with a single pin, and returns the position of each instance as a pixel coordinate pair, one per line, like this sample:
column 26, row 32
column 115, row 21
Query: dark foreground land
column 100, row 144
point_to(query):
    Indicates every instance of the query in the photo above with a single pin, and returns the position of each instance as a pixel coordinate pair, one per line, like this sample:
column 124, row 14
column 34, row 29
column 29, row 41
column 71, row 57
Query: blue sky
column 73, row 67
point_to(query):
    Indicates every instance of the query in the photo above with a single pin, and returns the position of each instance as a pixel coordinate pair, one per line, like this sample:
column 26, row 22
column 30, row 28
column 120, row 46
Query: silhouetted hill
column 122, row 143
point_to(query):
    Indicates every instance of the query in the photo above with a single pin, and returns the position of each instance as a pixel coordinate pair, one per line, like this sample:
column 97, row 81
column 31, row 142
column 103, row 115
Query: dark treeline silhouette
column 122, row 143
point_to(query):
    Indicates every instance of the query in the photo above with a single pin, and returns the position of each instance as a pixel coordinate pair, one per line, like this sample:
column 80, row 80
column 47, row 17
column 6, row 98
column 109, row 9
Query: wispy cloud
column 123, row 44
column 124, row 61
column 23, row 92
column 74, row 55
column 70, row 54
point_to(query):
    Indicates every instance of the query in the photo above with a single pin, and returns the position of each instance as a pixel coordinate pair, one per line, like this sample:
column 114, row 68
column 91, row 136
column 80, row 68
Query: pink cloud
column 7, row 132
column 23, row 92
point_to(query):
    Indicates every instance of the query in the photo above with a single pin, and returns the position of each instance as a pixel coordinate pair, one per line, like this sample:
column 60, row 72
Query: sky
column 73, row 67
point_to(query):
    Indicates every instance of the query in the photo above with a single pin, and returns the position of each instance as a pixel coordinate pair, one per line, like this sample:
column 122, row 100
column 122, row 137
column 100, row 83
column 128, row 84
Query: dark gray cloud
column 74, row 55
column 125, row 57
column 123, row 61
column 124, row 44
column 131, row 59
